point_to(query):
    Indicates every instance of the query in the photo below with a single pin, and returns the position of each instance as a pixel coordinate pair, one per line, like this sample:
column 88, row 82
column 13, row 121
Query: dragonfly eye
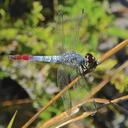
column 89, row 57
column 91, row 60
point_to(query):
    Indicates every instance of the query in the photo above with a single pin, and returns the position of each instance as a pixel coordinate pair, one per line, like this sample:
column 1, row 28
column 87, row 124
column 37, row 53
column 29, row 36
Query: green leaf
column 12, row 120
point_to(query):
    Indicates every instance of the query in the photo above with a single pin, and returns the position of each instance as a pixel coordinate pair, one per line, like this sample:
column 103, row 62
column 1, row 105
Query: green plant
column 12, row 120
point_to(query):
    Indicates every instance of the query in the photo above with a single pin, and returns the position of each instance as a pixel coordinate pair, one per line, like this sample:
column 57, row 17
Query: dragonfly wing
column 63, row 79
column 74, row 95
column 63, row 76
column 59, row 29
column 82, row 91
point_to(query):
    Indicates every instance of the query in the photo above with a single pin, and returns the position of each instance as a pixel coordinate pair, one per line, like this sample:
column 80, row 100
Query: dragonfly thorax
column 88, row 64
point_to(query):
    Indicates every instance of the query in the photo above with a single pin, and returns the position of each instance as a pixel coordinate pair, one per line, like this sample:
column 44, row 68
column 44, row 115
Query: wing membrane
column 66, row 74
column 73, row 96
column 63, row 79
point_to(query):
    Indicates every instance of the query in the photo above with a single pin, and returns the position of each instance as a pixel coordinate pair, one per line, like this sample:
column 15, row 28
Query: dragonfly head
column 88, row 64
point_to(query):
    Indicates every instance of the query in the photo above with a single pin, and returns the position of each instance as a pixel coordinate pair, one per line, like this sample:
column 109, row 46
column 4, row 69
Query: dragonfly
column 73, row 60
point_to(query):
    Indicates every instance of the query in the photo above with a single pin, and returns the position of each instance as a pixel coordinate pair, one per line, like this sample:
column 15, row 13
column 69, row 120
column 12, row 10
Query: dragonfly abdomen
column 20, row 57
column 54, row 59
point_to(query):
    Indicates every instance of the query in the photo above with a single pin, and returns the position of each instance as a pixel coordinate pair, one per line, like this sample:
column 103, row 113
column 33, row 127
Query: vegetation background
column 33, row 27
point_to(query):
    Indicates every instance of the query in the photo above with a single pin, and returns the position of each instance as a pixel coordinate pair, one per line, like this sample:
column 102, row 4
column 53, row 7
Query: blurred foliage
column 96, row 20
column 29, row 35
column 121, row 82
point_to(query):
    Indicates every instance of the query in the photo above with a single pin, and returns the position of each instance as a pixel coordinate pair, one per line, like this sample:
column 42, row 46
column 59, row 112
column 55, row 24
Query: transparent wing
column 66, row 74
column 63, row 79
column 63, row 75
column 74, row 95
column 79, row 91
column 60, row 36
column 83, row 89
column 71, row 29
column 68, row 31
column 76, row 29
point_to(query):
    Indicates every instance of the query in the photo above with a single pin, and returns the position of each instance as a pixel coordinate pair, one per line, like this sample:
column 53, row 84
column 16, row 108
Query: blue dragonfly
column 72, row 63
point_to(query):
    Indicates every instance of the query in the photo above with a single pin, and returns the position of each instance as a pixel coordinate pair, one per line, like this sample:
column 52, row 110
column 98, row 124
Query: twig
column 113, row 50
column 103, row 58
column 16, row 102
column 83, row 115
column 64, row 115
column 86, row 114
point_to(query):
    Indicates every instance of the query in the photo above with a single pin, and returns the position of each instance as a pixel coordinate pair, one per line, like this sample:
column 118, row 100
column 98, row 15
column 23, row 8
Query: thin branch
column 65, row 114
column 86, row 114
column 83, row 115
column 113, row 50
column 103, row 58
column 75, row 108
column 16, row 102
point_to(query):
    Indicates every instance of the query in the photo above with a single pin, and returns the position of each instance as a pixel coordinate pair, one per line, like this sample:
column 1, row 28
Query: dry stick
column 113, row 50
column 64, row 115
column 104, row 57
column 16, row 102
column 86, row 114
column 83, row 115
